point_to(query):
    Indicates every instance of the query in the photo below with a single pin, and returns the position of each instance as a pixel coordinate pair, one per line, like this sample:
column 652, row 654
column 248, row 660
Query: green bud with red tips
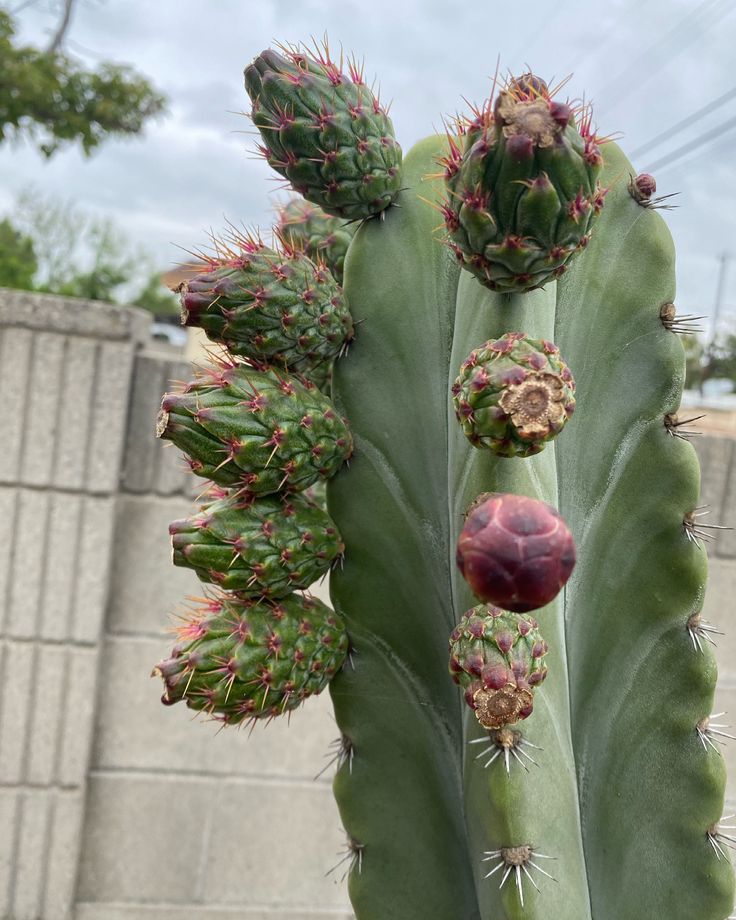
column 322, row 237
column 263, row 547
column 497, row 658
column 269, row 304
column 523, row 190
column 256, row 430
column 513, row 395
column 324, row 131
column 240, row 660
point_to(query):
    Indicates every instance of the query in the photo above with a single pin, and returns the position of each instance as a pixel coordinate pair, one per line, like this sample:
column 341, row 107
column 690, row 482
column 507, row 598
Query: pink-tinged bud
column 515, row 552
column 642, row 187
column 561, row 113
column 521, row 147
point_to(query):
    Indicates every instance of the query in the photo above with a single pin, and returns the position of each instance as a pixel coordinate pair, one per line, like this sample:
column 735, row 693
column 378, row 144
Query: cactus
column 621, row 802
column 242, row 659
column 323, row 238
column 264, row 547
column 268, row 304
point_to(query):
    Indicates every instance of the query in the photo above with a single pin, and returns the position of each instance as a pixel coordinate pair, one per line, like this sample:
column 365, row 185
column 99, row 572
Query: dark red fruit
column 515, row 552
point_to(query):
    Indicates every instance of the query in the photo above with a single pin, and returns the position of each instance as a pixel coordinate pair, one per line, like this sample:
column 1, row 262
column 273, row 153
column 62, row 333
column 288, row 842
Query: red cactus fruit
column 515, row 552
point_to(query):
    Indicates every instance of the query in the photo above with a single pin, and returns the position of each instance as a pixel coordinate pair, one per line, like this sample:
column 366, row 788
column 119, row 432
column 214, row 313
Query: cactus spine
column 623, row 792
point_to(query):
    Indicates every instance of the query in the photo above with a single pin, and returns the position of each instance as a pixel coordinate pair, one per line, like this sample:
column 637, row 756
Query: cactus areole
column 567, row 765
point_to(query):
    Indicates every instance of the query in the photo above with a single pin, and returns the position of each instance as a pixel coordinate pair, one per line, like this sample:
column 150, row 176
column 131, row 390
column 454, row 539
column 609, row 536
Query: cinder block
column 203, row 912
column 310, row 848
column 63, row 854
column 718, row 610
column 135, row 731
column 9, row 822
column 16, row 701
column 57, row 598
column 45, row 387
column 153, row 826
column 725, row 702
column 30, row 868
column 78, row 716
column 145, row 588
column 28, row 563
column 717, row 459
column 109, row 416
column 137, row 474
column 75, row 408
column 45, row 721
column 93, row 566
column 15, row 360
column 172, row 475
column 72, row 315
column 8, row 513
column 727, row 538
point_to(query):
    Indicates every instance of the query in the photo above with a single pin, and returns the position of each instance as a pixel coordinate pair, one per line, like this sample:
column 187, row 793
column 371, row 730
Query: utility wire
column 682, row 33
column 714, row 134
column 685, row 123
column 595, row 46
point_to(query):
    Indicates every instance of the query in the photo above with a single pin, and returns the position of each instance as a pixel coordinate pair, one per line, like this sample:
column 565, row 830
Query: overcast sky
column 645, row 64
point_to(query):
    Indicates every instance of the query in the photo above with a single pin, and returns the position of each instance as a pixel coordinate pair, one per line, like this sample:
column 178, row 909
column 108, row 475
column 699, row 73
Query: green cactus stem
column 623, row 779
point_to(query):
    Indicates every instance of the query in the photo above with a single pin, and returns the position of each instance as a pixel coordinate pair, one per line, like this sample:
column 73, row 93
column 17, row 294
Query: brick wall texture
column 113, row 807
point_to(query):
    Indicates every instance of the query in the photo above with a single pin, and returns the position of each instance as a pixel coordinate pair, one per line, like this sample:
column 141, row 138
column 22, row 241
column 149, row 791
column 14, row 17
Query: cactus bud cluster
column 497, row 658
column 523, row 190
column 513, row 395
column 324, row 131
column 258, row 430
column 269, row 304
column 263, row 547
column 322, row 237
column 240, row 659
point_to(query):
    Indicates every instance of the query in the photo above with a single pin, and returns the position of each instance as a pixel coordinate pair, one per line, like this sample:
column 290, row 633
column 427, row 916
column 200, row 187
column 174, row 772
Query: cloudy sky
column 647, row 65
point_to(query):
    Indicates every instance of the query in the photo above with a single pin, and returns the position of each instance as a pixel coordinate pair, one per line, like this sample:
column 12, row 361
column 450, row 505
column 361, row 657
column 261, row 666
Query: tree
column 49, row 98
column 18, row 263
column 157, row 298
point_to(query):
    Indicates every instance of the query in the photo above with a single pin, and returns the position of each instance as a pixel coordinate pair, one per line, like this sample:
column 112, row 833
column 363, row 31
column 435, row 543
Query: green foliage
column 78, row 254
column 157, row 298
column 18, row 263
column 48, row 98
column 723, row 358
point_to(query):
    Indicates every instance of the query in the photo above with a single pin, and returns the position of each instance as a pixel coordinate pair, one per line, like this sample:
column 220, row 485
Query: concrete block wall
column 113, row 807
column 64, row 385
column 183, row 820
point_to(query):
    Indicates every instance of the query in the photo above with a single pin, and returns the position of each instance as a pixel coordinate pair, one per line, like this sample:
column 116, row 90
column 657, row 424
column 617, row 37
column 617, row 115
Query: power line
column 692, row 145
column 707, row 8
column 685, row 123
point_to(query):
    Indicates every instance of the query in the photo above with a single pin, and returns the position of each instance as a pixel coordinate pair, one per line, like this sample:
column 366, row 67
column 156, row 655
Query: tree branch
column 61, row 31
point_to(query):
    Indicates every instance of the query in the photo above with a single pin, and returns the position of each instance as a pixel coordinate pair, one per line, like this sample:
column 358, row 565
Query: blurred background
column 122, row 146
